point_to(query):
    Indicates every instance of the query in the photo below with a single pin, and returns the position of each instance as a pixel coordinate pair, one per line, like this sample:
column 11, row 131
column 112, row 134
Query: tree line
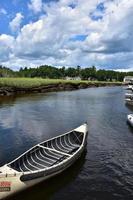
column 46, row 71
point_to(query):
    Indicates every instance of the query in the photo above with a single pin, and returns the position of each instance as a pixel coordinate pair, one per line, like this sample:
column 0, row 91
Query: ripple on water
column 105, row 172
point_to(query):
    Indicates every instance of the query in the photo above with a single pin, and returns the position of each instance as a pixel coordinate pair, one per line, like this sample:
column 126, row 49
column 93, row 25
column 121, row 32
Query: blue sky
column 66, row 33
column 12, row 7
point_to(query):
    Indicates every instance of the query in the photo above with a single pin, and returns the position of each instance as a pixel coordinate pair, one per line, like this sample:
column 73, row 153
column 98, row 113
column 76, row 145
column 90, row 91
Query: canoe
column 129, row 101
column 130, row 119
column 129, row 95
column 129, row 87
column 42, row 161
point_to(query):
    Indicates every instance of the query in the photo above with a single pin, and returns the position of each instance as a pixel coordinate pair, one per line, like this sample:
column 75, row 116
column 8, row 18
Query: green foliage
column 88, row 73
column 26, row 82
column 6, row 72
column 46, row 71
column 36, row 82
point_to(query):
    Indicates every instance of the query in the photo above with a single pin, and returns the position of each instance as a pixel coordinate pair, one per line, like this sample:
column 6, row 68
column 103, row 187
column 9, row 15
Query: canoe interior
column 48, row 153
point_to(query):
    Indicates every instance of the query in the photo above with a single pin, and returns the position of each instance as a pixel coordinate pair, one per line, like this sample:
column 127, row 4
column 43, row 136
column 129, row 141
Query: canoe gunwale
column 63, row 162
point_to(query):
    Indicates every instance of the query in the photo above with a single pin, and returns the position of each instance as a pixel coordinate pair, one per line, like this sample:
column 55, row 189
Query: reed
column 36, row 82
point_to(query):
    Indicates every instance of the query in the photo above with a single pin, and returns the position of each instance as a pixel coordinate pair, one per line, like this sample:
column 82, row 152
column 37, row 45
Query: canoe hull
column 19, row 182
column 130, row 119
column 130, row 87
column 129, row 95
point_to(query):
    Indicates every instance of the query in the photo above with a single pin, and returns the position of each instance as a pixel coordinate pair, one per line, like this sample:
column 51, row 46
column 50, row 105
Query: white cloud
column 16, row 22
column 47, row 41
column 6, row 47
column 35, row 5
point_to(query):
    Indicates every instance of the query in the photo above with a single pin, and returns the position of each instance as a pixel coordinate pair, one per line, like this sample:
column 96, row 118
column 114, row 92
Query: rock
column 8, row 91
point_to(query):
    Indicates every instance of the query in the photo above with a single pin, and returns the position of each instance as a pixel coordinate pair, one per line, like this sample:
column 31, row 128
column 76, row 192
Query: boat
column 129, row 87
column 42, row 161
column 130, row 119
column 129, row 101
column 129, row 95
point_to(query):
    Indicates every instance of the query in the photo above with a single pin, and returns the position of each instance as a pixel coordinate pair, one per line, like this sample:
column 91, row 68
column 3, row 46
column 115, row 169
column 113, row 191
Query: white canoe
column 130, row 119
column 129, row 101
column 129, row 87
column 129, row 95
column 43, row 161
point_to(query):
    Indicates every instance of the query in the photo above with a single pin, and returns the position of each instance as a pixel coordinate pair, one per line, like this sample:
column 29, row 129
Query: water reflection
column 106, row 171
column 48, row 188
column 129, row 107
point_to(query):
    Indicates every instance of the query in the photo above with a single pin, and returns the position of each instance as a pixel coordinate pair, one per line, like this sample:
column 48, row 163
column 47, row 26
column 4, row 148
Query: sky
column 67, row 33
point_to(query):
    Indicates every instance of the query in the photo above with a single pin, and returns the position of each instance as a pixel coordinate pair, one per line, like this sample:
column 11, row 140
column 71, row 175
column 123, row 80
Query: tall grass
column 26, row 82
column 36, row 82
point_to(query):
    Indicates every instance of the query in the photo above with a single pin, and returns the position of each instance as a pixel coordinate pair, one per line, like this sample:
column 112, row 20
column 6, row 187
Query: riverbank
column 12, row 86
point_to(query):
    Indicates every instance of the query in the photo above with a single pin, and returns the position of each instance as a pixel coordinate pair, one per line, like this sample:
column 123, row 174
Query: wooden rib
column 31, row 164
column 52, row 147
column 66, row 143
column 20, row 166
column 56, row 154
column 69, row 142
column 72, row 142
column 36, row 156
column 53, row 156
column 39, row 166
column 51, row 144
column 58, row 145
column 24, row 164
column 44, row 157
column 68, row 149
column 60, row 152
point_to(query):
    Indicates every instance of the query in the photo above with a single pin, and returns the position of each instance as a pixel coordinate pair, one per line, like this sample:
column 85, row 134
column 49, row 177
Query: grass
column 25, row 82
column 36, row 82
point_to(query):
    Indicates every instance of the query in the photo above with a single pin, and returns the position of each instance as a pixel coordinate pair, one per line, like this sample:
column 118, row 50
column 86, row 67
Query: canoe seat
column 63, row 144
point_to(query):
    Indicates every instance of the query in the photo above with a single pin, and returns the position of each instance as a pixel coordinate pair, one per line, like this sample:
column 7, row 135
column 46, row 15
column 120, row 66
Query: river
column 104, row 171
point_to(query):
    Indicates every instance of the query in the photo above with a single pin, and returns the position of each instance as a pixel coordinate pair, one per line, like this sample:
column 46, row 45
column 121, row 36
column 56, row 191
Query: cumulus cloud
column 6, row 47
column 68, row 34
column 16, row 22
column 35, row 5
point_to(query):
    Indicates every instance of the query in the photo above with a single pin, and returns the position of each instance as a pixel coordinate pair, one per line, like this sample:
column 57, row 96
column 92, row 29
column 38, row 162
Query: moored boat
column 130, row 119
column 129, row 87
column 42, row 161
column 129, row 101
column 129, row 95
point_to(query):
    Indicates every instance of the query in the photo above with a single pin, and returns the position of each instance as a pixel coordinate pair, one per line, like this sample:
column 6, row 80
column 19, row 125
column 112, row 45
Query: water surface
column 105, row 170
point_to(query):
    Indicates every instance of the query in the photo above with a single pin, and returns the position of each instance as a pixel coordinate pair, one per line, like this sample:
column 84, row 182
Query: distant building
column 91, row 79
column 128, row 79
column 76, row 78
column 114, row 79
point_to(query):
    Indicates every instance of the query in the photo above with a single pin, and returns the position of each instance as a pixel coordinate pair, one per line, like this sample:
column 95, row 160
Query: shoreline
column 51, row 87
